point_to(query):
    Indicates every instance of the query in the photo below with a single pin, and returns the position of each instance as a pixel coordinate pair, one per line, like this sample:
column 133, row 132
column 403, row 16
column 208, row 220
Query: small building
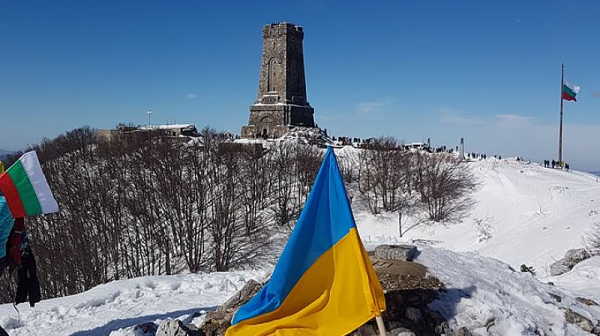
column 174, row 130
column 189, row 130
column 416, row 146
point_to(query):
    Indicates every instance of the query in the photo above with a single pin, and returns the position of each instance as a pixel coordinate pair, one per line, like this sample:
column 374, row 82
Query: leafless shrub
column 143, row 204
column 444, row 184
column 592, row 240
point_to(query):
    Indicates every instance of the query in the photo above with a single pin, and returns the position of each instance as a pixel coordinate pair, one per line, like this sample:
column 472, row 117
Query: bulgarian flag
column 26, row 189
column 569, row 91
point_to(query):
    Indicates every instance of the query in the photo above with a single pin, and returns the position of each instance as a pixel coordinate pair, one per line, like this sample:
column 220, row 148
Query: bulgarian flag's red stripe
column 30, row 201
column 566, row 96
column 12, row 196
column 569, row 91
column 26, row 189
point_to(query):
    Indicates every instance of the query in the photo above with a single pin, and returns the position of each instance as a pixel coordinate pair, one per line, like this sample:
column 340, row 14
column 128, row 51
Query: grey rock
column 217, row 322
column 147, row 328
column 174, row 328
column 572, row 258
column 579, row 320
column 393, row 324
column 401, row 332
column 396, row 252
column 414, row 315
column 558, row 268
column 577, row 255
column 463, row 332
column 242, row 296
column 366, row 330
column 555, row 297
column 588, row 302
column 442, row 328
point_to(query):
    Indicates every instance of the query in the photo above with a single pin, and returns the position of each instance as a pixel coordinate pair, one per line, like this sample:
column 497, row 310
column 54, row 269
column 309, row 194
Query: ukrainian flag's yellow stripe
column 333, row 297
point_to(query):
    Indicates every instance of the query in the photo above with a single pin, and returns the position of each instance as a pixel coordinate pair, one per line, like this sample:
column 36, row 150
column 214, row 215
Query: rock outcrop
column 171, row 327
column 572, row 258
column 579, row 320
column 408, row 292
column 396, row 252
column 217, row 322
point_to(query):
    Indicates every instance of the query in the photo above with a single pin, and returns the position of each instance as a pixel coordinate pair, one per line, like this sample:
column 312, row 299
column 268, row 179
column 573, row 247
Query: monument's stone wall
column 281, row 100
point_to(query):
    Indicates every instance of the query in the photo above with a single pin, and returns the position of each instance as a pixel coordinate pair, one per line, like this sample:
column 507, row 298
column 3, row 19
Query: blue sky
column 488, row 71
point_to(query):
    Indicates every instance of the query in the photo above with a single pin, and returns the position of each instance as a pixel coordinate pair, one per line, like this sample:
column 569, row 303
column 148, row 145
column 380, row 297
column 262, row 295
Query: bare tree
column 444, row 184
column 592, row 239
column 142, row 203
column 382, row 176
column 282, row 167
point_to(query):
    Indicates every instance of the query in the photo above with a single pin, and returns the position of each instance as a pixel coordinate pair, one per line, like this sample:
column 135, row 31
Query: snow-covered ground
column 583, row 280
column 483, row 294
column 525, row 214
column 489, row 298
column 117, row 307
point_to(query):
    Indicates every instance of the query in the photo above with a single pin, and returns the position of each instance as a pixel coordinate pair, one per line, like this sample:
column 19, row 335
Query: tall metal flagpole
column 562, row 81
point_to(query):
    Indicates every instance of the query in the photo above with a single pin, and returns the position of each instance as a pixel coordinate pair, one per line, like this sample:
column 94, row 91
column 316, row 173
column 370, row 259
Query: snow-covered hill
column 117, row 307
column 489, row 298
column 525, row 214
column 482, row 294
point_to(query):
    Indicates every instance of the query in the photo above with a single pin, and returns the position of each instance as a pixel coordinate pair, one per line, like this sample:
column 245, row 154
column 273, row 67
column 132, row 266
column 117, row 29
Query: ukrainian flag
column 323, row 283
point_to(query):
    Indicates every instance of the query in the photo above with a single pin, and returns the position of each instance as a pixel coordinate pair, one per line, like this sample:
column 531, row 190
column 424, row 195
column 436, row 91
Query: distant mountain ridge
column 4, row 153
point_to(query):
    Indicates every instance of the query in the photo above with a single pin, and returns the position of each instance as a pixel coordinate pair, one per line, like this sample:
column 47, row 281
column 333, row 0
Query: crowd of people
column 556, row 164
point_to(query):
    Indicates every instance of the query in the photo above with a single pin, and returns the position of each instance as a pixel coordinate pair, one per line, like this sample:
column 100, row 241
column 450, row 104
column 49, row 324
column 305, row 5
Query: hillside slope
column 524, row 214
column 482, row 294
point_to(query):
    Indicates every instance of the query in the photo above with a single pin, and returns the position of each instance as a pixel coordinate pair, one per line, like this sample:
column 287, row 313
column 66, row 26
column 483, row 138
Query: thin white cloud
column 470, row 120
column 454, row 117
column 512, row 118
column 376, row 106
column 459, row 117
column 192, row 96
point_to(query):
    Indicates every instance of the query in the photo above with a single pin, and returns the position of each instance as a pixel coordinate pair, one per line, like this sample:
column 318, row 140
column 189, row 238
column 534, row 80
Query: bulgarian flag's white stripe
column 573, row 87
column 26, row 189
column 31, row 164
column 569, row 91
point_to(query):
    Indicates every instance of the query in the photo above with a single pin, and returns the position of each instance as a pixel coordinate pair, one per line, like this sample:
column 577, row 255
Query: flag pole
column 562, row 83
column 380, row 325
column 378, row 317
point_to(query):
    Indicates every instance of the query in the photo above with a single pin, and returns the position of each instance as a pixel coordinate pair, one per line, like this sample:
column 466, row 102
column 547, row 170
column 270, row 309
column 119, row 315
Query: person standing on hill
column 16, row 253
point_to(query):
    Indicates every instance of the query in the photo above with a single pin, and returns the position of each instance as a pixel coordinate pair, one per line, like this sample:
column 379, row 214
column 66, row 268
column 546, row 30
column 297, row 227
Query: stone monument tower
column 281, row 101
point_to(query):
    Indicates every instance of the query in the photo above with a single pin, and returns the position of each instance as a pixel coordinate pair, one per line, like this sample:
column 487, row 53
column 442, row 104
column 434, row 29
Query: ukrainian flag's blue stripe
column 324, row 221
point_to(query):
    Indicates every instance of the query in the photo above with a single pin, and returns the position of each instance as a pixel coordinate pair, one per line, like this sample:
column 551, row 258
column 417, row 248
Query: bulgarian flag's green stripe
column 568, row 91
column 25, row 189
